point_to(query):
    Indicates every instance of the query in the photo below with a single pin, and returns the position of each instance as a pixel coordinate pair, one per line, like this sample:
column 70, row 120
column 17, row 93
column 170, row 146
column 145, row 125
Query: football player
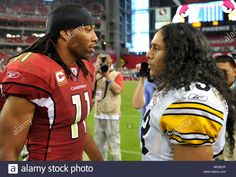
column 186, row 118
column 49, row 92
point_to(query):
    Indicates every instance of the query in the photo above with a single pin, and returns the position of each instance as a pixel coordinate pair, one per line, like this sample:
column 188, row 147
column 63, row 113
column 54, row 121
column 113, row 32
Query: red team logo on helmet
column 61, row 78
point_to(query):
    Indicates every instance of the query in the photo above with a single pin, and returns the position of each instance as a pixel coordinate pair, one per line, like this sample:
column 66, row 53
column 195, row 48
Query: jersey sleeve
column 28, row 79
column 197, row 122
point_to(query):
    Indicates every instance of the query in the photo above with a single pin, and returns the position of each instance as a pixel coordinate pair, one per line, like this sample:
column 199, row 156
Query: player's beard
column 78, row 54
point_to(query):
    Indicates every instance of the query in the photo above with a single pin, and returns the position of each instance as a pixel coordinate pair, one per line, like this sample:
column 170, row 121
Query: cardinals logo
column 229, row 7
column 61, row 78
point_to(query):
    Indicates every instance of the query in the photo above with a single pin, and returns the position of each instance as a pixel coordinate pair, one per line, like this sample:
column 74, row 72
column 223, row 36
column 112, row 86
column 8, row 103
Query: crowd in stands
column 5, row 54
column 24, row 7
column 41, row 8
column 95, row 7
column 18, row 40
column 22, row 14
column 24, row 39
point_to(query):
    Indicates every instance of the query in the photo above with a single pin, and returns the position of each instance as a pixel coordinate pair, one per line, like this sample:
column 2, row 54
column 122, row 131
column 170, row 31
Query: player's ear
column 65, row 35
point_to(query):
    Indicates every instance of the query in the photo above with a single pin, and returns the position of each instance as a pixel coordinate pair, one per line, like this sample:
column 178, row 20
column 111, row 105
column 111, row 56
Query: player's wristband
column 109, row 81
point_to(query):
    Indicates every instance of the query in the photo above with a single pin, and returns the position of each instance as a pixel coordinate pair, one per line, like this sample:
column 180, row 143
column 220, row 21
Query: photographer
column 144, row 90
column 108, row 87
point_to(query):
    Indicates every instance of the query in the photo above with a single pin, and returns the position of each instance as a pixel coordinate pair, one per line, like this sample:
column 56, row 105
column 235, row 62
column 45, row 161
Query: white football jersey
column 194, row 116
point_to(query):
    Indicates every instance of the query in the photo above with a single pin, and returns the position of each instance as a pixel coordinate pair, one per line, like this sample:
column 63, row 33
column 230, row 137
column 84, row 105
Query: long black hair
column 188, row 59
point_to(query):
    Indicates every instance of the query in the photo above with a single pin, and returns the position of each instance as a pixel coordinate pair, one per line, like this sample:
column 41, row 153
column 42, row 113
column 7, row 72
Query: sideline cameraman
column 144, row 90
column 109, row 85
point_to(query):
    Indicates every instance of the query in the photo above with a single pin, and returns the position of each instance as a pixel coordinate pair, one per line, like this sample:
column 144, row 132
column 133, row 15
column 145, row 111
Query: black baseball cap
column 68, row 16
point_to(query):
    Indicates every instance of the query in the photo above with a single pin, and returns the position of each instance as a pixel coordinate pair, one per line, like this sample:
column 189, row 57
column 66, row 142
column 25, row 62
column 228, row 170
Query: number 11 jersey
column 62, row 104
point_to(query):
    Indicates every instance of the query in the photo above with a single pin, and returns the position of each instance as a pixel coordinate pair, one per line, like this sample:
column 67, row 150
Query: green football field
column 130, row 118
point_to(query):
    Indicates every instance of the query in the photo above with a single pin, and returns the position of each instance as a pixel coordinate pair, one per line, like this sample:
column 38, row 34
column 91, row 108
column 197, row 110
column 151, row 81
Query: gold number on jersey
column 76, row 100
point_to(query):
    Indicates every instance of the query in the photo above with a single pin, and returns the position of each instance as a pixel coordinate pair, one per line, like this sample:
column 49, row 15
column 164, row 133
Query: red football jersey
column 57, row 130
